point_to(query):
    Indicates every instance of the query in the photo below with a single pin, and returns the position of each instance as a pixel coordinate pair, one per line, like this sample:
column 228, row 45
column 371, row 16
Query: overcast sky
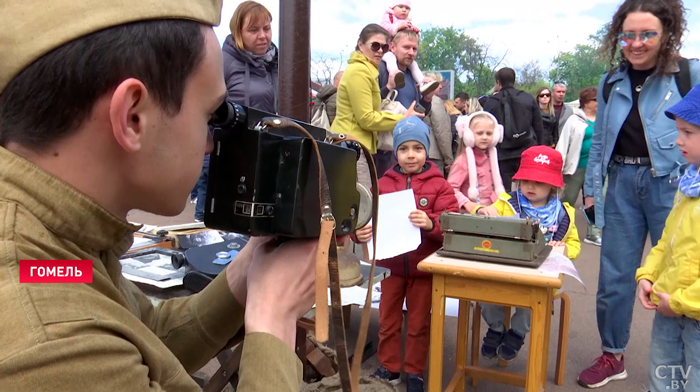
column 527, row 30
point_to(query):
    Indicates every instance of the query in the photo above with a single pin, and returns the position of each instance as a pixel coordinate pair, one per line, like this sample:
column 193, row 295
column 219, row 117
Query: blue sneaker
column 415, row 383
column 492, row 340
column 391, row 377
column 510, row 346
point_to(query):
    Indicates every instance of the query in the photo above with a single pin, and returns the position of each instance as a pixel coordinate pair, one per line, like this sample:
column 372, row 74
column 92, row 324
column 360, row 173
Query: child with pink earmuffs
column 474, row 175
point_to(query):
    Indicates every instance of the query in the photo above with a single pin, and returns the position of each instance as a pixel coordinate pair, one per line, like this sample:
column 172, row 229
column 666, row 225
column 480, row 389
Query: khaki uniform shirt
column 106, row 335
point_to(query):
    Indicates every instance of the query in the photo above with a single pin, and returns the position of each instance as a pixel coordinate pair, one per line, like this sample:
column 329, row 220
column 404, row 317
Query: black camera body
column 264, row 181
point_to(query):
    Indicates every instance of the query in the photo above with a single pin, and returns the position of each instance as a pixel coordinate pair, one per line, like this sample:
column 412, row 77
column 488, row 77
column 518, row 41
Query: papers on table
column 396, row 234
column 153, row 269
column 557, row 262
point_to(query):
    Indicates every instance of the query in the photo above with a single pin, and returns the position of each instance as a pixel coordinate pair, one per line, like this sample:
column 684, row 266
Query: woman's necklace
column 639, row 88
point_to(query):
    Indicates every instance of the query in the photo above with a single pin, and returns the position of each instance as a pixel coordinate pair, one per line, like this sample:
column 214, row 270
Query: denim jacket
column 659, row 94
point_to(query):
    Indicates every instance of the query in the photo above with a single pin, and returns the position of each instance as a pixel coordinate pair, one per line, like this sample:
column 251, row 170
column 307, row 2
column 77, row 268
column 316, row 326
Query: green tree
column 581, row 68
column 530, row 77
column 448, row 48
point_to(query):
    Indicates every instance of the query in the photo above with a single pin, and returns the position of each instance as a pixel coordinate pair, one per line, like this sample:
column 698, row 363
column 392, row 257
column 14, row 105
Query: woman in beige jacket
column 574, row 144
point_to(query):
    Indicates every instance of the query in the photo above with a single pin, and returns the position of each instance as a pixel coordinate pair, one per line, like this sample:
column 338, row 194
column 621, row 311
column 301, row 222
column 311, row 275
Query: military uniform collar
column 61, row 208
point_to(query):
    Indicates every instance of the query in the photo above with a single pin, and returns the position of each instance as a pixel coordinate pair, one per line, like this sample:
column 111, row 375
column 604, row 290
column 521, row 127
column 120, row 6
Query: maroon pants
column 417, row 292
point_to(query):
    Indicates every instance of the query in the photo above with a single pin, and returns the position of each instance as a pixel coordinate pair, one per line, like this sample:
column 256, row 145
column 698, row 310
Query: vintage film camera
column 264, row 181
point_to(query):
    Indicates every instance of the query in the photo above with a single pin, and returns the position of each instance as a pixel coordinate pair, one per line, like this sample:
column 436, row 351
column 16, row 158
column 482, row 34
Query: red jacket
column 434, row 195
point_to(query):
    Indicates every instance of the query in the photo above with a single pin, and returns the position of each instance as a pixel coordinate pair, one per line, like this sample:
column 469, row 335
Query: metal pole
column 294, row 59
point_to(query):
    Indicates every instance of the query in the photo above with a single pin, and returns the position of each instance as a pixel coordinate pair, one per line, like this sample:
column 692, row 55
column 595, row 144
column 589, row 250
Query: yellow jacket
column 358, row 101
column 673, row 265
column 107, row 335
column 573, row 244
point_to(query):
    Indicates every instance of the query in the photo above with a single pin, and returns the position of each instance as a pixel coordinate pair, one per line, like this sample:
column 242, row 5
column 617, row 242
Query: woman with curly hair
column 633, row 146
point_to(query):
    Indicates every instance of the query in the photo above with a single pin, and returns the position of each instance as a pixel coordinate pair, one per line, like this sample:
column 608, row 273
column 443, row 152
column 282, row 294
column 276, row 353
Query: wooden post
column 294, row 59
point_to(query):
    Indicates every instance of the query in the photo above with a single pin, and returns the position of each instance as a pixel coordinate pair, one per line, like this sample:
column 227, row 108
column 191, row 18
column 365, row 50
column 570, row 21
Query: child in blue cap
column 433, row 195
column 669, row 281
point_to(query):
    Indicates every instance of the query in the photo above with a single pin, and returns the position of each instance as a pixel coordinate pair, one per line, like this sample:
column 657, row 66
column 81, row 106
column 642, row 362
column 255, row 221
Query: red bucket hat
column 542, row 164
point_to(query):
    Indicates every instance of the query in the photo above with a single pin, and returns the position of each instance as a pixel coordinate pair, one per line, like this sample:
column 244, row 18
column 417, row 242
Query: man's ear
column 129, row 107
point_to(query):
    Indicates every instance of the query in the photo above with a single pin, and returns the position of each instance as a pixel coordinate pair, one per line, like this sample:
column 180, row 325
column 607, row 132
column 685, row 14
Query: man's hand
column 237, row 270
column 420, row 219
column 364, row 234
column 588, row 201
column 488, row 211
column 664, row 308
column 280, row 287
column 644, row 294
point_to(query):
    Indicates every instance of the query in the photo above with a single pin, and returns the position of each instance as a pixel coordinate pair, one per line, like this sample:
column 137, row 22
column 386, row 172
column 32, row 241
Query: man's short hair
column 405, row 33
column 559, row 83
column 462, row 96
column 51, row 98
column 506, row 77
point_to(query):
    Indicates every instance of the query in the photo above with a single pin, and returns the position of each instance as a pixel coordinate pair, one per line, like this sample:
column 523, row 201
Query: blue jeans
column 636, row 204
column 674, row 355
column 494, row 315
column 201, row 193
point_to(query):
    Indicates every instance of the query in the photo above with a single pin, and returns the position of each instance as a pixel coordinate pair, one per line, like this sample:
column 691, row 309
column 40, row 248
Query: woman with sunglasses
column 633, row 146
column 358, row 102
column 550, row 129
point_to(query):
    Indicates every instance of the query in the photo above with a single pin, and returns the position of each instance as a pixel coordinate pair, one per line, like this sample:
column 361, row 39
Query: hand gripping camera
column 263, row 180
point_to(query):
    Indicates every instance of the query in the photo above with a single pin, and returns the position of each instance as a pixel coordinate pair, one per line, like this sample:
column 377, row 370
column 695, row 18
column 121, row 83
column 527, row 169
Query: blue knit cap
column 411, row 128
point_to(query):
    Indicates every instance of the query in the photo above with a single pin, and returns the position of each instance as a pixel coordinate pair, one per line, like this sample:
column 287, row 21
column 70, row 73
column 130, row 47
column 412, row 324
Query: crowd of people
column 630, row 151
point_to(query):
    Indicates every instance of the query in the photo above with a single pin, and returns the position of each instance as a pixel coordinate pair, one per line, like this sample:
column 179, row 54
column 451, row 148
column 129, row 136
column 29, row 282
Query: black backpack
column 512, row 136
column 682, row 79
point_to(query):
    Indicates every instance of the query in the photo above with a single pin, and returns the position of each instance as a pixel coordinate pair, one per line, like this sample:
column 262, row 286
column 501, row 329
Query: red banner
column 55, row 271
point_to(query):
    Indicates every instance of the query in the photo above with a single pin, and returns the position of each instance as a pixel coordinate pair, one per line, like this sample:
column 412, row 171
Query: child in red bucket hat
column 540, row 181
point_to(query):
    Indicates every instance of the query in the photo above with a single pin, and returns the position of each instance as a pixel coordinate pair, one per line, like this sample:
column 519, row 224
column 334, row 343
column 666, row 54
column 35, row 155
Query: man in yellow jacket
column 669, row 281
column 104, row 109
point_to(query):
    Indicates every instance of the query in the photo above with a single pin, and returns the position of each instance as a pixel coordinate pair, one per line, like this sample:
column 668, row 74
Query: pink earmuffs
column 467, row 136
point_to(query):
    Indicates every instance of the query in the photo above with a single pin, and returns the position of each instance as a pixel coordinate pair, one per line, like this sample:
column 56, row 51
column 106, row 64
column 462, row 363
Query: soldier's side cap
column 32, row 28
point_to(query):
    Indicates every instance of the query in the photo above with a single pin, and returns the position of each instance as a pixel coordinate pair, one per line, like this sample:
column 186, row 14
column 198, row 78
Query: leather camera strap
column 327, row 264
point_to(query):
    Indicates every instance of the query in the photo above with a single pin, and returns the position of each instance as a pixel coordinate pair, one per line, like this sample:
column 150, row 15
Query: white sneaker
column 593, row 240
column 427, row 88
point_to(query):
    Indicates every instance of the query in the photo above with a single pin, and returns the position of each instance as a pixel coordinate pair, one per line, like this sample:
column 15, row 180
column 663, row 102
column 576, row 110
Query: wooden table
column 493, row 283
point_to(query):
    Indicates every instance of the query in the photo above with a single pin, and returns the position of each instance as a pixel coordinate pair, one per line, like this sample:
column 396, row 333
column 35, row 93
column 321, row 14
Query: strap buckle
column 631, row 160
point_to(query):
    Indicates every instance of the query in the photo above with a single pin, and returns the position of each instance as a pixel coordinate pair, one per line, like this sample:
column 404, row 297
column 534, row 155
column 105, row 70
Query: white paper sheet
column 396, row 234
column 557, row 262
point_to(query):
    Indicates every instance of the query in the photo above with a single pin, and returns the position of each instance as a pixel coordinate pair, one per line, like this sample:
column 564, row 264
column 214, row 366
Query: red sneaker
column 605, row 369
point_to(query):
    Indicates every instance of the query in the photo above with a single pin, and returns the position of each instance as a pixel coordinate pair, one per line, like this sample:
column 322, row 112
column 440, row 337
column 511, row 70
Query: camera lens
column 228, row 114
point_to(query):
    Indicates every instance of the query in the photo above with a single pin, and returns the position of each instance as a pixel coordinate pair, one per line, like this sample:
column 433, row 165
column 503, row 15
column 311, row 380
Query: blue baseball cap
column 688, row 109
column 411, row 128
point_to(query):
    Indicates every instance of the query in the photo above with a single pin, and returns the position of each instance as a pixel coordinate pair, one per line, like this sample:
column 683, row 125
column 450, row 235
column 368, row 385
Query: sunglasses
column 629, row 37
column 545, row 95
column 375, row 46
column 560, row 83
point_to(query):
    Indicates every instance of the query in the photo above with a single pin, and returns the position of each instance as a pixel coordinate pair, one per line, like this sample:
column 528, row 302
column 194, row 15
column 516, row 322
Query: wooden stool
column 562, row 346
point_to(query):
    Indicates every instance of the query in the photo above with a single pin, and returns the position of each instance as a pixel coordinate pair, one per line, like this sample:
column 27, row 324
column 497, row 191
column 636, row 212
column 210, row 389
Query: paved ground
column 584, row 343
